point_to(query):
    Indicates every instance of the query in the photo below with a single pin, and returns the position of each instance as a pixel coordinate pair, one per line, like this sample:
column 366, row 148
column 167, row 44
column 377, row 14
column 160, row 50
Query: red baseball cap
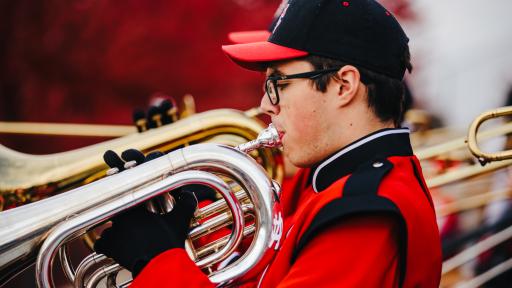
column 357, row 32
column 253, row 55
column 241, row 37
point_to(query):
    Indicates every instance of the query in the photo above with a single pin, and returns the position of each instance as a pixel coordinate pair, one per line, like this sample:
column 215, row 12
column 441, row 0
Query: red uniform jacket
column 361, row 218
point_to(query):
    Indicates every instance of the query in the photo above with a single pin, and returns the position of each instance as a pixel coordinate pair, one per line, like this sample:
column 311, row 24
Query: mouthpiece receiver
column 268, row 138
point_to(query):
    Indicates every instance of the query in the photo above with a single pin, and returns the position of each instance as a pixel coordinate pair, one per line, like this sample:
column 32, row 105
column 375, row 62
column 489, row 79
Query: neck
column 358, row 126
column 383, row 143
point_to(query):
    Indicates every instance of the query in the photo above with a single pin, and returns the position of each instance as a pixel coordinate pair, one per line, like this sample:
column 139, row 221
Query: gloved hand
column 114, row 161
column 157, row 115
column 137, row 236
column 131, row 155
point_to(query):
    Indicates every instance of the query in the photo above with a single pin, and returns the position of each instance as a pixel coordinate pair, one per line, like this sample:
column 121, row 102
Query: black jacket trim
column 383, row 143
column 422, row 185
column 366, row 179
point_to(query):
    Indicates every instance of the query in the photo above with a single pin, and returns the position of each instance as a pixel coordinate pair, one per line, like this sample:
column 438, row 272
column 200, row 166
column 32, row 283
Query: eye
column 281, row 86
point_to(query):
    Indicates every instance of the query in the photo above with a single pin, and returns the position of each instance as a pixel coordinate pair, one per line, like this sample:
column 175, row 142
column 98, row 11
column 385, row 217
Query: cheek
column 305, row 131
column 307, row 119
column 303, row 123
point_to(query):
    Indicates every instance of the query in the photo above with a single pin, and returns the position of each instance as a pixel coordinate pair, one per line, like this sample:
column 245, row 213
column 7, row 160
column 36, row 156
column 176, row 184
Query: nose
column 267, row 107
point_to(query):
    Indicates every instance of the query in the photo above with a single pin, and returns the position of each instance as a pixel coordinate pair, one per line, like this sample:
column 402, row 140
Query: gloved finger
column 133, row 155
column 202, row 192
column 102, row 245
column 181, row 215
column 168, row 111
column 154, row 155
column 138, row 266
column 139, row 119
column 154, row 117
column 130, row 215
column 113, row 160
column 186, row 204
column 187, row 197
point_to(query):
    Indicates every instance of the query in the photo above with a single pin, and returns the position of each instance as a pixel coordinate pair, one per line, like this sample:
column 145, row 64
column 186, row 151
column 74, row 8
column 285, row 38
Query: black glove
column 137, row 236
column 157, row 115
column 202, row 192
column 114, row 161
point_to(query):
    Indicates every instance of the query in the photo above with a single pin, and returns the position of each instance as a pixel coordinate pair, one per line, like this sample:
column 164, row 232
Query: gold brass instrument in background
column 484, row 157
column 220, row 126
column 499, row 160
column 70, row 214
column 27, row 178
column 486, row 162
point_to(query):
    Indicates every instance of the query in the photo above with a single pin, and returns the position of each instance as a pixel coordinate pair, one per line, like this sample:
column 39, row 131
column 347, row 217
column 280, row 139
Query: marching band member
column 358, row 213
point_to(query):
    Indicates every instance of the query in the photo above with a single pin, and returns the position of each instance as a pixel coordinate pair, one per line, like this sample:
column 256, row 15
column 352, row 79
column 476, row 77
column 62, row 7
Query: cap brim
column 253, row 56
column 241, row 37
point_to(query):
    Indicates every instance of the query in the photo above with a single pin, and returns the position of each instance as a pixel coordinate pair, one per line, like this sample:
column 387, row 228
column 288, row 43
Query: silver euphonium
column 44, row 227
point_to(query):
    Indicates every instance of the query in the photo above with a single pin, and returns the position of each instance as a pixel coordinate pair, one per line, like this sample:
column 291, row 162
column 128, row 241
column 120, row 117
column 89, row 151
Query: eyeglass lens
column 272, row 91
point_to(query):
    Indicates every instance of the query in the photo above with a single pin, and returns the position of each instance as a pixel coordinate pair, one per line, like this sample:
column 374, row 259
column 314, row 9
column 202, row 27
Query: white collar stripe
column 354, row 146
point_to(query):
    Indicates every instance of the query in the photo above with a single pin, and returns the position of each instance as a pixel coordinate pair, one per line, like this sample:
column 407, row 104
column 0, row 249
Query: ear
column 347, row 84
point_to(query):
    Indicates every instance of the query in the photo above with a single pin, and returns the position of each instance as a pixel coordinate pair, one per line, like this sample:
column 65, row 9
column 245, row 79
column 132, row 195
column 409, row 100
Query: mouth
column 281, row 134
column 280, row 130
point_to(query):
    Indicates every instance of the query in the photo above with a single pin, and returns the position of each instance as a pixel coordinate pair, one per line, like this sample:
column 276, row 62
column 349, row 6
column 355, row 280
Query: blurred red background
column 95, row 61
column 88, row 61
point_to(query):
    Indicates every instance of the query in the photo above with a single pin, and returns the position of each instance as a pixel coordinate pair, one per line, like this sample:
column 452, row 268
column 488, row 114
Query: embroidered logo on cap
column 281, row 17
column 280, row 9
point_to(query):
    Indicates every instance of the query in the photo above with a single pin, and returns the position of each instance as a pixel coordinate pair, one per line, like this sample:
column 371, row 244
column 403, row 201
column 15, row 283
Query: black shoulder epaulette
column 360, row 197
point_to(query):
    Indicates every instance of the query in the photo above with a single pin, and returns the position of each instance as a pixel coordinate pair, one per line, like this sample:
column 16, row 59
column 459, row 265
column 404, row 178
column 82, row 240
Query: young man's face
column 303, row 115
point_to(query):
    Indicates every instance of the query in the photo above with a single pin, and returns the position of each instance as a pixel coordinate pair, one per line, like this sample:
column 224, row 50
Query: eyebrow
column 275, row 72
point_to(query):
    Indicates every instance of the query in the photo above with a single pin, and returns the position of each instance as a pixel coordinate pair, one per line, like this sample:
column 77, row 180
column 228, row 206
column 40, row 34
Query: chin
column 299, row 161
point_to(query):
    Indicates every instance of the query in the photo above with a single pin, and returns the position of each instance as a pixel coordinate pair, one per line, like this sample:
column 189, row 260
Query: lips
column 279, row 131
column 281, row 134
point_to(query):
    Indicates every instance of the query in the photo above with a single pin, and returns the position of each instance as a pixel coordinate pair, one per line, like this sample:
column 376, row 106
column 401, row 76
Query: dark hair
column 385, row 94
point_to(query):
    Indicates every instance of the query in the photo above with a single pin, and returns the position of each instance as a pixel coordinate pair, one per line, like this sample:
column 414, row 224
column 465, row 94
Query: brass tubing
column 101, row 273
column 89, row 261
column 485, row 157
column 219, row 243
column 62, row 129
column 216, row 223
column 472, row 202
column 27, row 178
column 473, row 251
column 465, row 172
column 460, row 143
column 78, row 129
column 219, row 206
column 66, row 264
column 488, row 275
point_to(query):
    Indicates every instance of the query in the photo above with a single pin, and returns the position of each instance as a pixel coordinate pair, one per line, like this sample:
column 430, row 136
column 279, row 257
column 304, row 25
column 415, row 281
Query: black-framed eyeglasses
column 271, row 82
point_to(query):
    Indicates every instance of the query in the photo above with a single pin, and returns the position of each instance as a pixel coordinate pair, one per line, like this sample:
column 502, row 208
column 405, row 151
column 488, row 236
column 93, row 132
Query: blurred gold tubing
column 492, row 161
column 484, row 157
column 23, row 173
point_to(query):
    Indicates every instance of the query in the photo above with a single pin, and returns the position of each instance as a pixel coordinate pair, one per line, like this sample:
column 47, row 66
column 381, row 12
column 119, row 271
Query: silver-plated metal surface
column 267, row 138
column 89, row 261
column 66, row 263
column 23, row 230
column 122, row 191
column 101, row 273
